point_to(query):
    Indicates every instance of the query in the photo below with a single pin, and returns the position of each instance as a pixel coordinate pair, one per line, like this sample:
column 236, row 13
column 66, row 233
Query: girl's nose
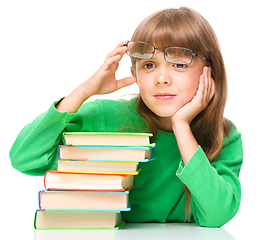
column 163, row 78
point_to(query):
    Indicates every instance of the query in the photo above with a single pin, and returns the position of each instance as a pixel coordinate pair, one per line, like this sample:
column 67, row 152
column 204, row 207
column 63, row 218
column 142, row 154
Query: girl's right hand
column 104, row 80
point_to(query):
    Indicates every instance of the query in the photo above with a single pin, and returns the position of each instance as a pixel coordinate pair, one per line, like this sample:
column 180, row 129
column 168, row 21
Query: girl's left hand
column 205, row 92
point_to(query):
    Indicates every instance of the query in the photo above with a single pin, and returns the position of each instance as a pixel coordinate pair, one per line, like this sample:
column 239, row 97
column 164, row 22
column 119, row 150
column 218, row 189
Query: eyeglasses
column 177, row 55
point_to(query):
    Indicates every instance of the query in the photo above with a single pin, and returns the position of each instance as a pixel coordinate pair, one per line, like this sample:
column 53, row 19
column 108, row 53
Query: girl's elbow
column 13, row 159
column 211, row 224
column 216, row 219
column 17, row 162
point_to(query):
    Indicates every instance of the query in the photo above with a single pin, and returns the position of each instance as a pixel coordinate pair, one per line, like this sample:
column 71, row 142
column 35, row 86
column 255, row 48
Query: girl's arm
column 214, row 187
column 181, row 120
column 35, row 149
column 102, row 82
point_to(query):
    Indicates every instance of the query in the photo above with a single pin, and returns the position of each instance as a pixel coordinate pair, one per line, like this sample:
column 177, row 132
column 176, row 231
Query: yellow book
column 98, row 167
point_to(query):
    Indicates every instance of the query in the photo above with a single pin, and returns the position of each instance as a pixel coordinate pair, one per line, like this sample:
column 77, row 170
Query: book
column 99, row 167
column 90, row 187
column 54, row 180
column 107, row 139
column 104, row 153
column 84, row 200
column 77, row 220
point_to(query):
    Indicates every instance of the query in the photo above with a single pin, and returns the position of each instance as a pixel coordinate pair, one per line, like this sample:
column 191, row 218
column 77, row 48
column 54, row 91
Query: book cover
column 54, row 180
column 77, row 220
column 115, row 153
column 107, row 139
column 84, row 200
column 99, row 167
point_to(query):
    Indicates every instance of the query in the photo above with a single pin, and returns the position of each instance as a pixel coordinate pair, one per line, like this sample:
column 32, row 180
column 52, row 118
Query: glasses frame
column 164, row 50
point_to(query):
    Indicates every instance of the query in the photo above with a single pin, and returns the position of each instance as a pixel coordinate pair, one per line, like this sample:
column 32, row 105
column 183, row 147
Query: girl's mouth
column 164, row 96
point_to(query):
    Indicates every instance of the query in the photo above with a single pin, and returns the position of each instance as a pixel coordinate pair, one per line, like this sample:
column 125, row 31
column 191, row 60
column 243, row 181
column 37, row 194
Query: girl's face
column 166, row 87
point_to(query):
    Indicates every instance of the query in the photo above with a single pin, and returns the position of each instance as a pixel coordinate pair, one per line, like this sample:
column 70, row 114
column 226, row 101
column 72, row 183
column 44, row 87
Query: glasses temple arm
column 194, row 54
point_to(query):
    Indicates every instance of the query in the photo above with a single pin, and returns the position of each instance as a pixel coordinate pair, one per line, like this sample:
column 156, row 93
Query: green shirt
column 159, row 192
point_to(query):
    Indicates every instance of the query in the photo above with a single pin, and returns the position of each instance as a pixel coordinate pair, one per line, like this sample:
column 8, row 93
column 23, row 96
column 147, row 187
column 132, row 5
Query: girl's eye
column 149, row 66
column 179, row 65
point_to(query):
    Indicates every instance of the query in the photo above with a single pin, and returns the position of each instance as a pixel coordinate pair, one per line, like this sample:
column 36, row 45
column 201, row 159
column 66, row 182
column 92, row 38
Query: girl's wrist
column 179, row 124
column 73, row 101
column 186, row 142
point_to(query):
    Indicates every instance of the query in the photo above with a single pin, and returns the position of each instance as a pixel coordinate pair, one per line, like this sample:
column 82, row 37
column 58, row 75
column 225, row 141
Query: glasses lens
column 140, row 50
column 178, row 55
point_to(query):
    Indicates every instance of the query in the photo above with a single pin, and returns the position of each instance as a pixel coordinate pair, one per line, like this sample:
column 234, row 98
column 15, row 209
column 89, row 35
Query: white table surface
column 142, row 231
column 19, row 201
column 22, row 227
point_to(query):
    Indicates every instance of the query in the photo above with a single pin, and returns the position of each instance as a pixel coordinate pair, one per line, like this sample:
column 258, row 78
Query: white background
column 47, row 48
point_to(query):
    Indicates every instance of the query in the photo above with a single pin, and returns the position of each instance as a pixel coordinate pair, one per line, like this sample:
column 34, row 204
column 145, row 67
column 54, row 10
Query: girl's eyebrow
column 143, row 60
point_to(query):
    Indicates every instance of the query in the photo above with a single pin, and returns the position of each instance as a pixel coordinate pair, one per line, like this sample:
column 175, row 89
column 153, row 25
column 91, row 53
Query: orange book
column 54, row 180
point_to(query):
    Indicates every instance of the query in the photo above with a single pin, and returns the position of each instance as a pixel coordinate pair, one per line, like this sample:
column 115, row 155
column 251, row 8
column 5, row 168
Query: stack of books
column 95, row 173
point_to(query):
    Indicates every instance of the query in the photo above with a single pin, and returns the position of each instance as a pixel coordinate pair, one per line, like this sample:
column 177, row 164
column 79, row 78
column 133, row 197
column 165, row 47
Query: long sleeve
column 215, row 188
column 34, row 150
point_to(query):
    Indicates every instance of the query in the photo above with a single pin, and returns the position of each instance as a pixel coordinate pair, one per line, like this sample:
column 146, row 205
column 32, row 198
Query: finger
column 110, row 61
column 213, row 89
column 122, row 43
column 130, row 45
column 125, row 82
column 201, row 87
column 206, row 81
column 117, row 51
column 208, row 84
column 120, row 49
column 209, row 80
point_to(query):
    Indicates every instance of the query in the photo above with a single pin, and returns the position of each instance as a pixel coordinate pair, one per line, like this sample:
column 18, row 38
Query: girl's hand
column 205, row 92
column 104, row 80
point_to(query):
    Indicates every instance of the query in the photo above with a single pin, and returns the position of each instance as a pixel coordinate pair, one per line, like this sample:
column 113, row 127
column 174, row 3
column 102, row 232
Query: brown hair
column 185, row 27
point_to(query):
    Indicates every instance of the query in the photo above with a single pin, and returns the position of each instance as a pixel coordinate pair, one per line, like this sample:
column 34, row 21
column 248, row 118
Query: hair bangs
column 170, row 28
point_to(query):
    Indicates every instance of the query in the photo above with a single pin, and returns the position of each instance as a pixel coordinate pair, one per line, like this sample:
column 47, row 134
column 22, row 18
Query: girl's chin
column 165, row 114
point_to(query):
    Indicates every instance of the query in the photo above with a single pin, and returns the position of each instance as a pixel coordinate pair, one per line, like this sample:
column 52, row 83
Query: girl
column 178, row 66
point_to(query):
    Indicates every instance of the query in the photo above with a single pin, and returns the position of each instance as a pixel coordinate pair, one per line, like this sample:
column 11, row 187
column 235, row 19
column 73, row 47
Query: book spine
column 35, row 218
column 64, row 139
column 89, row 209
column 56, row 172
column 99, row 173
column 45, row 178
column 39, row 200
column 95, row 190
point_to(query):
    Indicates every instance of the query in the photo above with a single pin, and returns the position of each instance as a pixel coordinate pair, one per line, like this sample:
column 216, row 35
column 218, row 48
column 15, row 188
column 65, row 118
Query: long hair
column 185, row 27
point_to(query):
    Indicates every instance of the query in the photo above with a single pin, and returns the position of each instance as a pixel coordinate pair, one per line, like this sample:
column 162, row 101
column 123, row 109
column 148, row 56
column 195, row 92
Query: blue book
column 105, row 153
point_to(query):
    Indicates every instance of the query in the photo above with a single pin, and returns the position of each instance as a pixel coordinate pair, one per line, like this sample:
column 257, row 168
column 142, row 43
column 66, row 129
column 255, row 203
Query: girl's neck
column 165, row 124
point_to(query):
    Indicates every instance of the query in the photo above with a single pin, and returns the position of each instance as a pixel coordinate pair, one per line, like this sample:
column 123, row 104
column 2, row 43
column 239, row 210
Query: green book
column 107, row 139
column 77, row 220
